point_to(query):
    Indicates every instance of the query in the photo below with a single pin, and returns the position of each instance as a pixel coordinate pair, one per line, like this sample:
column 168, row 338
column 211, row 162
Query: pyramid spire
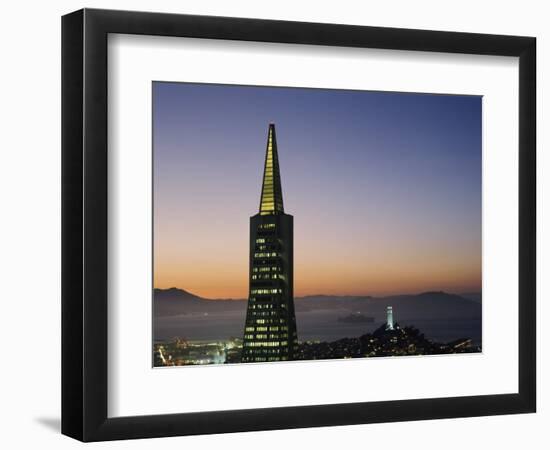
column 271, row 201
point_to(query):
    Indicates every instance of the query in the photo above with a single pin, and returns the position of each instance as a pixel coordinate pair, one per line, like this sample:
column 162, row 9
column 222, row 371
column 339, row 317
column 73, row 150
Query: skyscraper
column 270, row 327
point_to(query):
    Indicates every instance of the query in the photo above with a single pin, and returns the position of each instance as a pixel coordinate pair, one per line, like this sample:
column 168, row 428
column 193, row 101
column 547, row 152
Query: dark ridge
column 427, row 305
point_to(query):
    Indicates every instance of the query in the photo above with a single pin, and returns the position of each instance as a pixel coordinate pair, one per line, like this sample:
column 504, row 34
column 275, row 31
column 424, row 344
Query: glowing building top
column 271, row 201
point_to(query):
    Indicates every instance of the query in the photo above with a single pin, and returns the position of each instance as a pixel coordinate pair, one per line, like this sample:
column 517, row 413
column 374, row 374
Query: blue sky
column 392, row 181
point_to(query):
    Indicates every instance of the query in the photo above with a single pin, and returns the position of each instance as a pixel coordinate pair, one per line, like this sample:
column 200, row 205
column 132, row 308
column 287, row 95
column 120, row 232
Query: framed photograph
column 273, row 224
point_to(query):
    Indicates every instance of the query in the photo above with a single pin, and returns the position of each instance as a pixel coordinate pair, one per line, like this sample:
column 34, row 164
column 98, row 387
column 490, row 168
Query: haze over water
column 321, row 326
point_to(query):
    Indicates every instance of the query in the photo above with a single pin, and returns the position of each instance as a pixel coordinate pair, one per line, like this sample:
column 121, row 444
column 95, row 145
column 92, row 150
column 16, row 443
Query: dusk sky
column 385, row 188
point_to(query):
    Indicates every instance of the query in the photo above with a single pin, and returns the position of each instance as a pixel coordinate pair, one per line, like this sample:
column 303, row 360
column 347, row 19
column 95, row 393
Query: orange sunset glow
column 385, row 189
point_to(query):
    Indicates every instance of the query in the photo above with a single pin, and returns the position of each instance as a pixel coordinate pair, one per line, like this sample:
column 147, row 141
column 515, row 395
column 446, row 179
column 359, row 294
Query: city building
column 270, row 327
column 389, row 318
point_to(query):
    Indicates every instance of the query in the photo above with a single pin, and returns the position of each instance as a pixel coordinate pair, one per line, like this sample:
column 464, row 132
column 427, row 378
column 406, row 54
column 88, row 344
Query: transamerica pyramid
column 270, row 328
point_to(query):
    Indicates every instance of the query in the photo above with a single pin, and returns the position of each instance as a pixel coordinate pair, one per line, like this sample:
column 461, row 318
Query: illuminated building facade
column 270, row 327
column 389, row 318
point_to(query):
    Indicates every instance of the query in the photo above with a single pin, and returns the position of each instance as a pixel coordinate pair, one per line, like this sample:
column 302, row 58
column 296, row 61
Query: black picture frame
column 84, row 224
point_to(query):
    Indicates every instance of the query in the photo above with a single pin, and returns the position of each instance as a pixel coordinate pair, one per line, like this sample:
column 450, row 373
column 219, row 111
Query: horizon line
column 429, row 291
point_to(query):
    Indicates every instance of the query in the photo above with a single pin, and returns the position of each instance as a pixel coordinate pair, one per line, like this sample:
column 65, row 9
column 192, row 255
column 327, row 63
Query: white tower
column 389, row 318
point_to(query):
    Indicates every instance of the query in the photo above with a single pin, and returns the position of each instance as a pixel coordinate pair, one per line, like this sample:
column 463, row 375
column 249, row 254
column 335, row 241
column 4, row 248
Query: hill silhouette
column 426, row 305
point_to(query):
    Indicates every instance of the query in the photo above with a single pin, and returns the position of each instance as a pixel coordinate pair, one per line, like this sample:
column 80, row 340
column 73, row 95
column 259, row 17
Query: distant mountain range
column 427, row 305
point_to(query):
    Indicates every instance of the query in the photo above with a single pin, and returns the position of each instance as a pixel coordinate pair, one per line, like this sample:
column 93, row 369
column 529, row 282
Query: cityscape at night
column 353, row 261
column 386, row 340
